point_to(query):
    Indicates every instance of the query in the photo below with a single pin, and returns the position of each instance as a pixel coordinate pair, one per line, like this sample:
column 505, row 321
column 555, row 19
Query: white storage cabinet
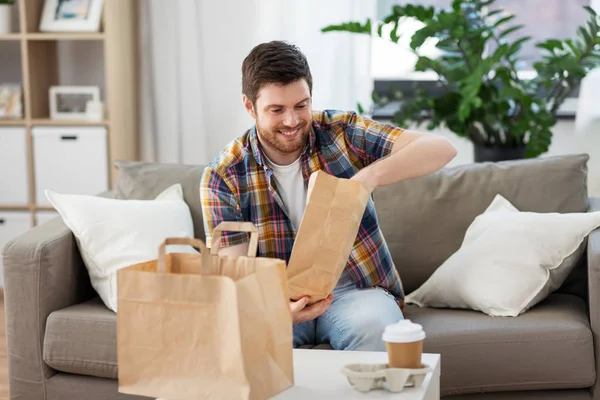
column 70, row 160
column 14, row 182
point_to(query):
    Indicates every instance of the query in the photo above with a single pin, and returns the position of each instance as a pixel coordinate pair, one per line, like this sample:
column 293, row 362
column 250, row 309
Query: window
column 542, row 19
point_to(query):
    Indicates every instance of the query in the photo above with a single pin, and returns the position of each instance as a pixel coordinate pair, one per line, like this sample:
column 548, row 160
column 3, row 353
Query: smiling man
column 262, row 177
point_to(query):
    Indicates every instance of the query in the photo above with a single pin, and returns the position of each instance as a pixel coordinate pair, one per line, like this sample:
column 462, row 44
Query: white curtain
column 191, row 53
column 171, row 89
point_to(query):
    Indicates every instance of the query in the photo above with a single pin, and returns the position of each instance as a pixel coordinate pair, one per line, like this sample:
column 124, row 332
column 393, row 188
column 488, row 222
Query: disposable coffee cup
column 404, row 344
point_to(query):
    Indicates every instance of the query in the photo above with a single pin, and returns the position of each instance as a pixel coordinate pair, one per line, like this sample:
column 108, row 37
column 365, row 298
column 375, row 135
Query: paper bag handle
column 230, row 226
column 196, row 243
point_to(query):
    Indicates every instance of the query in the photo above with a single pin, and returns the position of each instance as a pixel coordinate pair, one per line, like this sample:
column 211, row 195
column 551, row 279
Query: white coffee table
column 317, row 376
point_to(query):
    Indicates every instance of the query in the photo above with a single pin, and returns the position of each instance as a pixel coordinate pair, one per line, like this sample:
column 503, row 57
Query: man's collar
column 312, row 137
column 257, row 152
column 255, row 146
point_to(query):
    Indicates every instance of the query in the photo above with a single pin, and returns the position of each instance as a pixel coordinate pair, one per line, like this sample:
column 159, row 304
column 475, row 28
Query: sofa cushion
column 504, row 246
column 82, row 339
column 113, row 234
column 548, row 347
column 424, row 220
column 145, row 180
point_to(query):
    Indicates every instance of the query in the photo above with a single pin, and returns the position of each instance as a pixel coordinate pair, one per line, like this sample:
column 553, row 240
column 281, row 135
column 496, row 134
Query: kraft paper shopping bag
column 327, row 232
column 204, row 326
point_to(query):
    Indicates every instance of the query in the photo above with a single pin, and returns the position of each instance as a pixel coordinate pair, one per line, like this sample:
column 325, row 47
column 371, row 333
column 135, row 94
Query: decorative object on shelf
column 94, row 111
column 484, row 98
column 71, row 16
column 70, row 102
column 11, row 101
column 6, row 16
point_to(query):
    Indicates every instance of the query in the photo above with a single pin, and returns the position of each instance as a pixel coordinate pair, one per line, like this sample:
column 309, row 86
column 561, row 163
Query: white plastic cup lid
column 404, row 331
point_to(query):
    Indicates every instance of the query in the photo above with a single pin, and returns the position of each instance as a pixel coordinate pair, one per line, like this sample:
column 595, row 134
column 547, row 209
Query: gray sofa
column 62, row 340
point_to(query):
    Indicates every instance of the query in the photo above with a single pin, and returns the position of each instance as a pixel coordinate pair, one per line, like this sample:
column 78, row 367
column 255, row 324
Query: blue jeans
column 355, row 319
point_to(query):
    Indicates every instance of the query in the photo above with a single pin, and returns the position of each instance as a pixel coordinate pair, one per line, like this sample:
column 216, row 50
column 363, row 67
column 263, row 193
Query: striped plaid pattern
column 238, row 186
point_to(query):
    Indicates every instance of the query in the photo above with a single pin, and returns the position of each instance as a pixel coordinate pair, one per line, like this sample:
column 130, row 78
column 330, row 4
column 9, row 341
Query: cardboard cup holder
column 366, row 377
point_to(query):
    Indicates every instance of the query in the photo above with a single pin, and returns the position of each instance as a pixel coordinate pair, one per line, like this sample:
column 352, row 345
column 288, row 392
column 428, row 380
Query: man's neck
column 279, row 158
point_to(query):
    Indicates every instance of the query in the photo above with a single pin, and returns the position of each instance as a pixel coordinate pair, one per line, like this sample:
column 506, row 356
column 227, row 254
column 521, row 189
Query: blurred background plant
column 484, row 98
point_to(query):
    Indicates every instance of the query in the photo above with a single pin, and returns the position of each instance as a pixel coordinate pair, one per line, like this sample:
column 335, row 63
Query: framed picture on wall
column 71, row 102
column 71, row 16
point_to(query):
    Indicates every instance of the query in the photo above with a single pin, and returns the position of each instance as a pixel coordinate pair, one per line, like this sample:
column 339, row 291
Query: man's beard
column 278, row 142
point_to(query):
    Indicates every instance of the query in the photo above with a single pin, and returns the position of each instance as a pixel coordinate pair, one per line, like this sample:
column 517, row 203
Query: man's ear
column 249, row 106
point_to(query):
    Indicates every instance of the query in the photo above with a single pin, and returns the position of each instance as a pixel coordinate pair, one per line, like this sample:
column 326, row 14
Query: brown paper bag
column 204, row 326
column 334, row 210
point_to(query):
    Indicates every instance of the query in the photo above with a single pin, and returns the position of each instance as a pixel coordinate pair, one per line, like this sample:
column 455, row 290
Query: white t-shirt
column 290, row 186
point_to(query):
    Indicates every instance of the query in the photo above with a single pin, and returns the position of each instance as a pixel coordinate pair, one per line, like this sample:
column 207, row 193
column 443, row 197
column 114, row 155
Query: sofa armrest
column 43, row 272
column 593, row 259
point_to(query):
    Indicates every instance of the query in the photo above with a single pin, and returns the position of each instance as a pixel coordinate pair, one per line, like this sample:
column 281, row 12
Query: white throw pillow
column 509, row 260
column 115, row 233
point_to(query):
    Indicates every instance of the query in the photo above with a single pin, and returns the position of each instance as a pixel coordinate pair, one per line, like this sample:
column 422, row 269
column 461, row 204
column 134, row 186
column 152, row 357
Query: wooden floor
column 3, row 364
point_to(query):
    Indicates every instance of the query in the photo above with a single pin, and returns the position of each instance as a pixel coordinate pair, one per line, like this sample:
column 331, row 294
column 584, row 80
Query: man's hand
column 302, row 313
column 363, row 176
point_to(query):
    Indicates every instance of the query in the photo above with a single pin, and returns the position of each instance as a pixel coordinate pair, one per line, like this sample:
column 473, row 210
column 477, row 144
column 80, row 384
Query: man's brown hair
column 273, row 62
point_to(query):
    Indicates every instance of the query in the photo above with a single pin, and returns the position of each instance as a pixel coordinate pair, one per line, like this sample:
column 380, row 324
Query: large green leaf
column 353, row 27
column 591, row 11
column 510, row 30
column 585, row 35
column 516, row 46
column 576, row 52
column 539, row 142
column 503, row 20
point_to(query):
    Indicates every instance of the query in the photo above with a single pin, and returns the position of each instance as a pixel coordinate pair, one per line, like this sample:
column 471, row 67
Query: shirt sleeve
column 220, row 204
column 369, row 139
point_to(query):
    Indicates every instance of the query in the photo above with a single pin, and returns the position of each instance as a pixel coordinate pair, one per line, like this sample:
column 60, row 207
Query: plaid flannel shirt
column 238, row 186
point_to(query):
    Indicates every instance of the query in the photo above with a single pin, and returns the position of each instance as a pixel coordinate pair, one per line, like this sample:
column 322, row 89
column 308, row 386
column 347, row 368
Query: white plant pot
column 5, row 19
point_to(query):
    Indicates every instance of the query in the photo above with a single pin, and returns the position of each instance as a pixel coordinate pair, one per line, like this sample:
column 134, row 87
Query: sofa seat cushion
column 548, row 347
column 82, row 339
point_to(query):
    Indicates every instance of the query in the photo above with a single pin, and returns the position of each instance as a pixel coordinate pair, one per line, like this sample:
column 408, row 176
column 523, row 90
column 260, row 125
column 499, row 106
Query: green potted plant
column 483, row 98
column 6, row 16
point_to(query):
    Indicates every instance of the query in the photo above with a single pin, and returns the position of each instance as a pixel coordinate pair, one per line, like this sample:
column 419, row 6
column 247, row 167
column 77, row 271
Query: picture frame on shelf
column 71, row 102
column 11, row 101
column 71, row 16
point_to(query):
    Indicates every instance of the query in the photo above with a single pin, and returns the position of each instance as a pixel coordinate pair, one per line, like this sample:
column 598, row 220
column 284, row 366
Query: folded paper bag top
column 326, row 236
